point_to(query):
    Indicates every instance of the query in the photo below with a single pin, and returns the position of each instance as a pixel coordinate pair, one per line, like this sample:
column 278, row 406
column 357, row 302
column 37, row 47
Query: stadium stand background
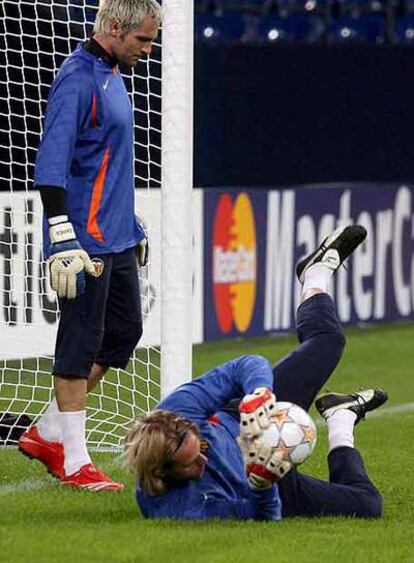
column 305, row 21
column 303, row 91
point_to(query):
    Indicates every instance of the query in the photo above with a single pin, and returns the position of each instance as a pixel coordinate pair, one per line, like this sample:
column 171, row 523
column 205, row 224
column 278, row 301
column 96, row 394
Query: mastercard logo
column 234, row 262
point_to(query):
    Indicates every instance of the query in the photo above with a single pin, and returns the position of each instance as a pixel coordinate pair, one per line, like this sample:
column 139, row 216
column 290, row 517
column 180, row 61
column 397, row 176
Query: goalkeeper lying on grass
column 186, row 455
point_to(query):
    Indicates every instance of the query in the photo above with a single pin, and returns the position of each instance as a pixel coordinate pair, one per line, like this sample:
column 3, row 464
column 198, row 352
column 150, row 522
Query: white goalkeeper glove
column 142, row 248
column 264, row 465
column 255, row 412
column 68, row 262
column 142, row 252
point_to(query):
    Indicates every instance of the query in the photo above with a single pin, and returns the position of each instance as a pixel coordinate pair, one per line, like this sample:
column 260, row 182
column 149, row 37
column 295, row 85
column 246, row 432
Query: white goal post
column 37, row 36
column 177, row 182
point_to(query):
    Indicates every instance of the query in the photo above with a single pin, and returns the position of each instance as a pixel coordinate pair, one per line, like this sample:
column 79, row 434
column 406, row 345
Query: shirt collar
column 93, row 47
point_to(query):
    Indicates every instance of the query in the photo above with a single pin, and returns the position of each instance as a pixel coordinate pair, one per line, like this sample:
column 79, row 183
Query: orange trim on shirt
column 92, row 227
column 94, row 112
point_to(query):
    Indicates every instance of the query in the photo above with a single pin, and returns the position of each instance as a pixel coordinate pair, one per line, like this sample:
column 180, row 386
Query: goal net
column 37, row 36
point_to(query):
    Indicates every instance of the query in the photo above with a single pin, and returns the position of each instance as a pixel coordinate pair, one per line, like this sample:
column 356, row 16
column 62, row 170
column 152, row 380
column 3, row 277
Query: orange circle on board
column 234, row 262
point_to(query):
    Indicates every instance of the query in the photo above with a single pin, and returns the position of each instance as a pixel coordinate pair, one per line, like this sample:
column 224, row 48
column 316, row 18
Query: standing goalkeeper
column 84, row 171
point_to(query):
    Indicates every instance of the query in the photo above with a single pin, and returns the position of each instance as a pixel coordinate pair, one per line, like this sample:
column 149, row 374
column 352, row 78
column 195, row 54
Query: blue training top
column 223, row 490
column 87, row 149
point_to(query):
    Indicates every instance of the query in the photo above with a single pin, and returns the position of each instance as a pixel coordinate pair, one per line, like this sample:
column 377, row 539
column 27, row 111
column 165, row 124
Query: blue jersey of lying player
column 223, row 490
column 87, row 149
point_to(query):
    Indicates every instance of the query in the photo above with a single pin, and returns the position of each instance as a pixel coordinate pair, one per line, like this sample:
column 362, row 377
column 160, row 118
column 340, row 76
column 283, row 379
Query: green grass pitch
column 39, row 522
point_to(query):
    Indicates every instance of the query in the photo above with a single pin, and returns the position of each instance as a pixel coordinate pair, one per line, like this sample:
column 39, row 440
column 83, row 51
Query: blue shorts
column 105, row 324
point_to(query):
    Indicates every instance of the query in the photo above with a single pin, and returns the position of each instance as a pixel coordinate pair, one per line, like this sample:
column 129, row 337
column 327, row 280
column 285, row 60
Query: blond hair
column 150, row 445
column 128, row 13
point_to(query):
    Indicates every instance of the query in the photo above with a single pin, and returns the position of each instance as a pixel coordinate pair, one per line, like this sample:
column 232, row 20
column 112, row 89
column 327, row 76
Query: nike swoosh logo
column 105, row 86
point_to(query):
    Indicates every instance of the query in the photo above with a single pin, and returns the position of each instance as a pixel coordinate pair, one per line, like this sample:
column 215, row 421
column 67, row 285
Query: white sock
column 317, row 276
column 341, row 429
column 49, row 424
column 74, row 441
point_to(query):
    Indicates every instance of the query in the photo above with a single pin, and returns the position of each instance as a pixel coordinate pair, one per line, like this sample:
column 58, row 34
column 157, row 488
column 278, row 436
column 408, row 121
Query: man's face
column 136, row 44
column 188, row 463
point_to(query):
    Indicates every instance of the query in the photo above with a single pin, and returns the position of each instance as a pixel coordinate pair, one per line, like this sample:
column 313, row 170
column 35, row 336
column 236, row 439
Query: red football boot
column 32, row 445
column 91, row 478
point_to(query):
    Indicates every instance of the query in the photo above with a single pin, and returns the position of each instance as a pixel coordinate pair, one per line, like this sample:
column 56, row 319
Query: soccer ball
column 292, row 431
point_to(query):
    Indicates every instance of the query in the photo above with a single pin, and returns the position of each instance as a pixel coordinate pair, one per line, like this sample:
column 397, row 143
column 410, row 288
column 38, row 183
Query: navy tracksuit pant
column 104, row 324
column 298, row 378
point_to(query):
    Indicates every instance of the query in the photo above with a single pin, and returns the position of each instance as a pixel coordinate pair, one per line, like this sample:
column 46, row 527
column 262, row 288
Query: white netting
column 37, row 35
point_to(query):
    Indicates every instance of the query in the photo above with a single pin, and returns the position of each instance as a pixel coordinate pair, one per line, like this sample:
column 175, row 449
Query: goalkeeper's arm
column 68, row 262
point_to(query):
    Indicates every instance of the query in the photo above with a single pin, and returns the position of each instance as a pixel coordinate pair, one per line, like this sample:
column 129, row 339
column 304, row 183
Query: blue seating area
column 293, row 28
column 404, row 30
column 366, row 28
column 375, row 22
